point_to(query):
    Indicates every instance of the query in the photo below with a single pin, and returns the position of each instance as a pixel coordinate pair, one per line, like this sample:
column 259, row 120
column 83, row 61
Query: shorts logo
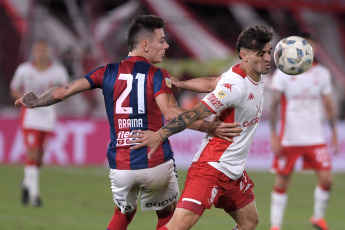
column 214, row 101
column 213, row 195
column 162, row 203
column 122, row 205
column 168, row 82
column 244, row 182
column 221, row 94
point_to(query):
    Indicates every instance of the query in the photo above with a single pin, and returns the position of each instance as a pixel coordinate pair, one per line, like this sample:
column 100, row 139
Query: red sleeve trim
column 214, row 112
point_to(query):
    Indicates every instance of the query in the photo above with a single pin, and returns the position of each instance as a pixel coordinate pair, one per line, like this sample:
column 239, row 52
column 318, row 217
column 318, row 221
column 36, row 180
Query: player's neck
column 41, row 65
column 250, row 72
column 139, row 53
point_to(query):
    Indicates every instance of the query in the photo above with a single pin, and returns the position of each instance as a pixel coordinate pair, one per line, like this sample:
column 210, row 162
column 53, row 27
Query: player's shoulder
column 320, row 67
column 25, row 65
column 234, row 75
column 58, row 66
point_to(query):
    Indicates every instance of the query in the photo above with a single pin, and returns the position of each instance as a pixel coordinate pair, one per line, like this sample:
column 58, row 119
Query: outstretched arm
column 53, row 95
column 168, row 106
column 200, row 85
column 177, row 124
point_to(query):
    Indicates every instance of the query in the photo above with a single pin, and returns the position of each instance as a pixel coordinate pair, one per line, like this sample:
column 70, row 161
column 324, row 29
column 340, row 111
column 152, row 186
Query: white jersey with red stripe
column 237, row 98
column 302, row 114
column 28, row 78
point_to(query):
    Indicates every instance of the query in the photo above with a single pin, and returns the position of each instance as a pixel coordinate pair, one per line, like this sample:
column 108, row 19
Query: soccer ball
column 293, row 55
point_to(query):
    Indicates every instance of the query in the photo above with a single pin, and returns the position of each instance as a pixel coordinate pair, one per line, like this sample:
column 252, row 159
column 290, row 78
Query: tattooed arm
column 53, row 95
column 177, row 124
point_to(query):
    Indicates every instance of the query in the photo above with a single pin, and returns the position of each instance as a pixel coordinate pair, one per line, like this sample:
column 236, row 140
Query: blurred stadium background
column 201, row 33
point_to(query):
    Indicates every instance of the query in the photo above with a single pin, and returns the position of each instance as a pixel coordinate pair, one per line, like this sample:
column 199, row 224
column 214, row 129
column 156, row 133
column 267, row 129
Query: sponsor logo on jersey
column 122, row 138
column 221, row 94
column 250, row 97
column 168, row 82
column 251, row 122
column 162, row 203
column 129, row 123
column 227, row 85
column 212, row 98
column 259, row 109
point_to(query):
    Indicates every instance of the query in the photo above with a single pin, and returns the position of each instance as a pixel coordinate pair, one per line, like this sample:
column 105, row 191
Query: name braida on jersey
column 122, row 136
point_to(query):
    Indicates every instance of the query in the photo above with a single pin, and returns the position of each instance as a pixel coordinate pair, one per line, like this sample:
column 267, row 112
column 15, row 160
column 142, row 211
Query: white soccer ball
column 293, row 55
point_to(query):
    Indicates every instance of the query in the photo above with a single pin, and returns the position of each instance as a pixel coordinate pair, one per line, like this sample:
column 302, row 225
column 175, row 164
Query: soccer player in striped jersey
column 137, row 96
column 217, row 175
column 302, row 98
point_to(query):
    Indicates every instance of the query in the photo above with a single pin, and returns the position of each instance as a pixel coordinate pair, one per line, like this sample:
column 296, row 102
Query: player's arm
column 200, row 85
column 53, row 95
column 273, row 118
column 176, row 125
column 332, row 120
column 168, row 106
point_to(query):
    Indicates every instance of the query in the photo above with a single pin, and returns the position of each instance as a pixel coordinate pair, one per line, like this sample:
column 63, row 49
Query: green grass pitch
column 79, row 198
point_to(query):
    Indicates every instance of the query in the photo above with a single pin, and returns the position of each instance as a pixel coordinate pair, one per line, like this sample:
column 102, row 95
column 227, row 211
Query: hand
column 27, row 100
column 276, row 145
column 146, row 138
column 225, row 131
column 174, row 82
column 334, row 144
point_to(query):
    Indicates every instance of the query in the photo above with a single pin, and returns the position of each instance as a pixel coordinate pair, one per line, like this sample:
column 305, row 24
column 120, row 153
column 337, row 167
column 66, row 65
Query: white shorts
column 157, row 187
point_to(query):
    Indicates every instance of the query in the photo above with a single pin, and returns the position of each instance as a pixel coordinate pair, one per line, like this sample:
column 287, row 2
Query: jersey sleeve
column 227, row 94
column 327, row 82
column 95, row 77
column 17, row 80
column 161, row 82
column 278, row 80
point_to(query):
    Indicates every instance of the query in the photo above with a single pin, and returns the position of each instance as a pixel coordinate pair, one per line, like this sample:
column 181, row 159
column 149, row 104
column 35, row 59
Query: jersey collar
column 137, row 58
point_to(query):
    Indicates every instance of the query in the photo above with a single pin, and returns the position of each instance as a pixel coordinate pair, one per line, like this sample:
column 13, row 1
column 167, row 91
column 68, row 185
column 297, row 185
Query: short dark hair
column 254, row 38
column 142, row 23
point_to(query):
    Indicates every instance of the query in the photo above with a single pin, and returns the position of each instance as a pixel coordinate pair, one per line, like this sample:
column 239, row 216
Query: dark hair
column 254, row 38
column 307, row 35
column 140, row 24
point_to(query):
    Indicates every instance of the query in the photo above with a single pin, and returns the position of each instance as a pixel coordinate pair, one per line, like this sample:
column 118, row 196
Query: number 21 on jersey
column 120, row 109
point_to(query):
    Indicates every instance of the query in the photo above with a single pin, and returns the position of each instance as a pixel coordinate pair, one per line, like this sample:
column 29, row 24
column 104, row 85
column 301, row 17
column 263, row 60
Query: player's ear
column 145, row 46
column 243, row 55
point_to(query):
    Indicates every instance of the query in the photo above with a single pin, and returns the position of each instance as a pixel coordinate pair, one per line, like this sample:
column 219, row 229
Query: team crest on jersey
column 221, row 94
column 168, row 82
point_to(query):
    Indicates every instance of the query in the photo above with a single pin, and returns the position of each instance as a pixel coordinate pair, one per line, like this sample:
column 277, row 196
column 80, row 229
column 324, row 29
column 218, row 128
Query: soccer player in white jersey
column 36, row 75
column 302, row 135
column 217, row 175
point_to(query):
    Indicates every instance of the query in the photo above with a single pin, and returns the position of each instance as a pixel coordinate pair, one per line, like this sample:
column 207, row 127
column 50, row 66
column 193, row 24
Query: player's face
column 41, row 52
column 260, row 60
column 157, row 46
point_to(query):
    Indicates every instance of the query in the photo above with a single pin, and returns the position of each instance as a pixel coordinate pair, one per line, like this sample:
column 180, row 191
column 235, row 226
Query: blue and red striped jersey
column 130, row 88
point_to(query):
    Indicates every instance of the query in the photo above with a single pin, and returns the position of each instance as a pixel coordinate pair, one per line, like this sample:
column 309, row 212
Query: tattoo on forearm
column 182, row 121
column 45, row 99
column 178, row 124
